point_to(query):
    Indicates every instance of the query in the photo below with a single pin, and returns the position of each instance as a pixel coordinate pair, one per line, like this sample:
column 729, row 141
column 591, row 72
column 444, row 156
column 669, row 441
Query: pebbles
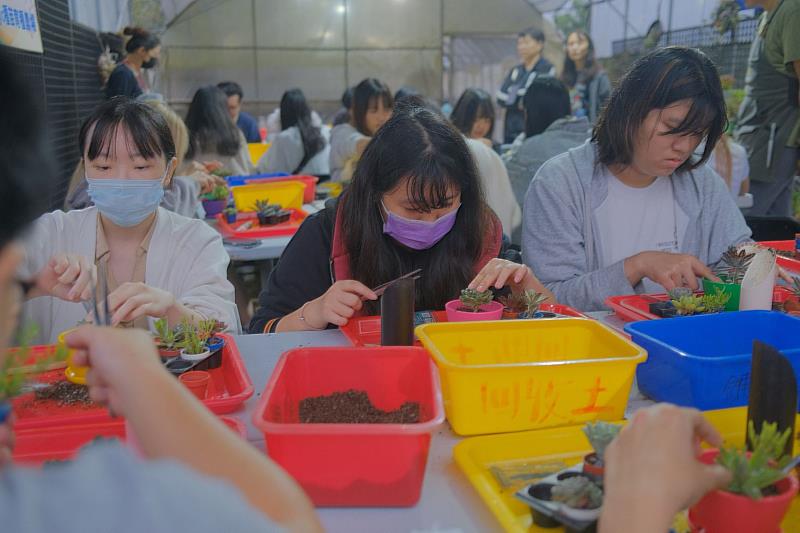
column 354, row 407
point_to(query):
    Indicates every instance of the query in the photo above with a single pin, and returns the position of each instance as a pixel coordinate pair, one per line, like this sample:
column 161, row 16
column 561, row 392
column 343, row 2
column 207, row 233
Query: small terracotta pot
column 168, row 354
column 490, row 311
column 592, row 466
column 722, row 512
column 197, row 382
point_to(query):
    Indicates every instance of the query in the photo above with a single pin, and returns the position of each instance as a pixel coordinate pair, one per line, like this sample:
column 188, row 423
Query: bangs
column 699, row 120
column 430, row 185
column 383, row 96
column 138, row 141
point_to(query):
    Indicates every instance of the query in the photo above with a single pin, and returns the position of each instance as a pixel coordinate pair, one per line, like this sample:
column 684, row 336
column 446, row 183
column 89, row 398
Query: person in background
column 159, row 264
column 404, row 91
column 653, row 461
column 530, row 43
column 301, row 148
column 415, row 202
column 213, row 136
column 549, row 130
column 473, row 115
column 588, row 84
column 183, row 194
column 143, row 51
column 342, row 116
column 631, row 211
column 372, row 107
column 729, row 160
column 245, row 122
column 768, row 124
column 274, row 126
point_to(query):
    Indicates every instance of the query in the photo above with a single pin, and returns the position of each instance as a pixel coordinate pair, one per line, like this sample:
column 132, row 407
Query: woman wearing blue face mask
column 415, row 202
column 159, row 264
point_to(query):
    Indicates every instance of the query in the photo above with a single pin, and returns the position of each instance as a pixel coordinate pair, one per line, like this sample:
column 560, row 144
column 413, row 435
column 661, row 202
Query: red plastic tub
column 60, row 443
column 229, row 387
column 786, row 262
column 232, row 231
column 352, row 465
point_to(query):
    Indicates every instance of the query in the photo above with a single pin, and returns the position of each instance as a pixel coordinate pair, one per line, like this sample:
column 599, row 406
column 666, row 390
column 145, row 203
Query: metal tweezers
column 102, row 279
column 380, row 289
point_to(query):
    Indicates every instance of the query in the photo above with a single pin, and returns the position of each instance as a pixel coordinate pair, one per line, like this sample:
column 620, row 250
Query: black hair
column 570, row 74
column 140, row 38
column 365, row 95
column 148, row 130
column 404, row 91
column 423, row 147
column 295, row 112
column 26, row 163
column 472, row 105
column 231, row 88
column 655, row 81
column 347, row 98
column 210, row 126
column 533, row 33
column 546, row 100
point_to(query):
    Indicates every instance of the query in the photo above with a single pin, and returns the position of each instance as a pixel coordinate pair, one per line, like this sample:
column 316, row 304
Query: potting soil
column 65, row 393
column 353, row 407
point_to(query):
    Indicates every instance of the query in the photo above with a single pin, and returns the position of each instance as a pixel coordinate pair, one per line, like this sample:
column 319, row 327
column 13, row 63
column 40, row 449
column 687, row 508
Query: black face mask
column 150, row 63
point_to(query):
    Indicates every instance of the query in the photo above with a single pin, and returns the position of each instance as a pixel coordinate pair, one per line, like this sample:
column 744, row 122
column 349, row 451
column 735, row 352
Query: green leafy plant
column 715, row 303
column 600, row 435
column 689, row 305
column 230, row 210
column 222, row 172
column 513, row 302
column 762, row 469
column 167, row 337
column 532, row 301
column 577, row 492
column 264, row 208
column 473, row 300
column 220, row 192
column 734, row 264
column 192, row 343
column 12, row 376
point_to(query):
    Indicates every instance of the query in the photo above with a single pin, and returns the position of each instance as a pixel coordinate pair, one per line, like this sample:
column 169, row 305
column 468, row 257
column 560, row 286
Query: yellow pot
column 75, row 374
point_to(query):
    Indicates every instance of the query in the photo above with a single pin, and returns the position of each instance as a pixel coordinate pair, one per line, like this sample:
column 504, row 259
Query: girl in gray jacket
column 631, row 210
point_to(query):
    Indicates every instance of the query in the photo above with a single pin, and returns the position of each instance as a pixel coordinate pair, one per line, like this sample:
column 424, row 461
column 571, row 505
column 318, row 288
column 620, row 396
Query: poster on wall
column 19, row 25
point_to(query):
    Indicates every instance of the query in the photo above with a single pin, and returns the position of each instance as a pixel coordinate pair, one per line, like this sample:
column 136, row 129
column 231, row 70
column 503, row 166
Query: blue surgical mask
column 126, row 202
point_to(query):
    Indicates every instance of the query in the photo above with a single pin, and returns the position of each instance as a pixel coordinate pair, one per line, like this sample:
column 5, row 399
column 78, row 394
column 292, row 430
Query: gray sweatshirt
column 560, row 243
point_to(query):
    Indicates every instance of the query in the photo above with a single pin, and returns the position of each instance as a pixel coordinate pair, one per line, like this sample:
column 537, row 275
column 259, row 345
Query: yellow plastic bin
column 514, row 375
column 257, row 150
column 289, row 194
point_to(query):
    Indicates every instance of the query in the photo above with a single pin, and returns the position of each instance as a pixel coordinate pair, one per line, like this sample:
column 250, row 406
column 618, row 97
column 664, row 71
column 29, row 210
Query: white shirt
column 286, row 153
column 496, row 185
column 185, row 258
column 632, row 220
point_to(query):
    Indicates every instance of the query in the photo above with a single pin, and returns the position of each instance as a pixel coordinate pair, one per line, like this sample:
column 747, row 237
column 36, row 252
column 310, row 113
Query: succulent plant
column 796, row 285
column 222, row 172
column 679, row 292
column 11, row 379
column 473, row 300
column 734, row 264
column 220, row 192
column 689, row 305
column 763, row 468
column 167, row 338
column 265, row 208
column 192, row 341
column 715, row 303
column 532, row 301
column 578, row 492
column 600, row 435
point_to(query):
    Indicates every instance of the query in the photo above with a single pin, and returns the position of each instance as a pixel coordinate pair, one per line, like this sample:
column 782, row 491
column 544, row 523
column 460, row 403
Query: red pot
column 591, row 466
column 490, row 311
column 168, row 354
column 197, row 382
column 723, row 512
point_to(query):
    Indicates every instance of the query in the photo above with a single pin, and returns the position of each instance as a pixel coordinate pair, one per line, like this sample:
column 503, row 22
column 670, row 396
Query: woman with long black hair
column 586, row 80
column 302, row 147
column 415, row 202
column 213, row 136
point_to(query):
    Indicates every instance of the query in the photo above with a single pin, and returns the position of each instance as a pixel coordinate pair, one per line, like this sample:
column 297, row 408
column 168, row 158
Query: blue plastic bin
column 234, row 181
column 704, row 361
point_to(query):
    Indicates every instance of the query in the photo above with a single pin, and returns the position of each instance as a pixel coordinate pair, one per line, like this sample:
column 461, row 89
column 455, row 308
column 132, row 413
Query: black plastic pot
column 541, row 491
column 262, row 218
column 211, row 362
column 279, row 217
column 178, row 366
column 663, row 309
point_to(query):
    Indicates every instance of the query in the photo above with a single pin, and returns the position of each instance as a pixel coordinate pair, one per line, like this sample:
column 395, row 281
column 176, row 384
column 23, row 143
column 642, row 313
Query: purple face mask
column 418, row 234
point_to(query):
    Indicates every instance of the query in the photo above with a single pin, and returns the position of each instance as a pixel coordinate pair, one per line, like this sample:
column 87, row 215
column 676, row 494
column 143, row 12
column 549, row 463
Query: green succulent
column 763, row 468
column 193, row 342
column 220, row 192
column 600, row 435
column 532, row 301
column 577, row 492
column 689, row 305
column 167, row 336
column 734, row 264
column 12, row 381
column 796, row 285
column 473, row 300
column 266, row 208
column 715, row 303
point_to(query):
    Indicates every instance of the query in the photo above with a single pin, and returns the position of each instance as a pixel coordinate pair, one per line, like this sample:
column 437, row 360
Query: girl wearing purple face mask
column 415, row 202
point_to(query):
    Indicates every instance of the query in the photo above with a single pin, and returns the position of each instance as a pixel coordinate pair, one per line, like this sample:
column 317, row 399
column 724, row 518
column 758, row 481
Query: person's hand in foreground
column 499, row 273
column 652, row 471
column 125, row 374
